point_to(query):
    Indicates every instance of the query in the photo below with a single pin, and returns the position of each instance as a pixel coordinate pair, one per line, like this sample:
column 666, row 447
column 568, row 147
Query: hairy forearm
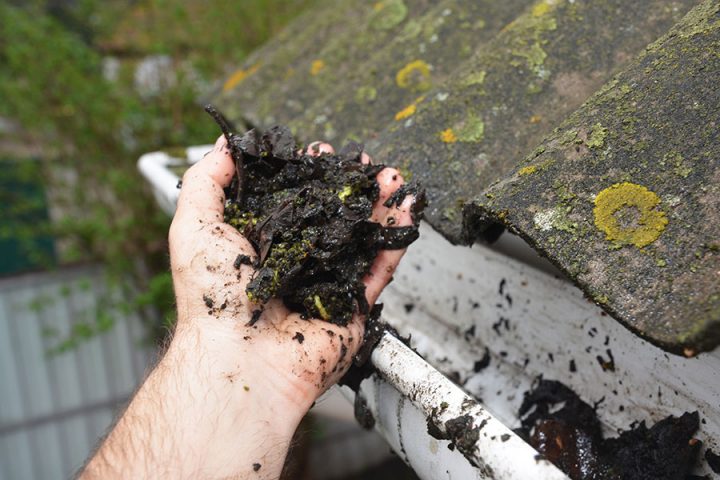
column 191, row 419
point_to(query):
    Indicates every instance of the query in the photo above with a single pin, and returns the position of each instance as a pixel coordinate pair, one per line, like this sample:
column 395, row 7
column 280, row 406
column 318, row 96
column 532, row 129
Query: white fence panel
column 55, row 407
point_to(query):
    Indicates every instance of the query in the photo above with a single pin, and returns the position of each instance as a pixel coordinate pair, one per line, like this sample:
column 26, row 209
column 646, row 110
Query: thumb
column 202, row 198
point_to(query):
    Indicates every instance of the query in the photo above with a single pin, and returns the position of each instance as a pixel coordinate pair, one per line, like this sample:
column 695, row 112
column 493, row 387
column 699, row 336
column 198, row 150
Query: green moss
column 365, row 93
column 474, row 78
column 704, row 21
column 411, row 30
column 676, row 161
column 555, row 219
column 534, row 55
column 472, row 129
column 388, row 14
column 616, row 208
column 568, row 137
column 528, row 38
column 239, row 221
column 597, row 136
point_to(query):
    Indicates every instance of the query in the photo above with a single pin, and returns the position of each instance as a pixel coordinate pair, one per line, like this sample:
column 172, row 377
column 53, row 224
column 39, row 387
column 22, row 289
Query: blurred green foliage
column 92, row 129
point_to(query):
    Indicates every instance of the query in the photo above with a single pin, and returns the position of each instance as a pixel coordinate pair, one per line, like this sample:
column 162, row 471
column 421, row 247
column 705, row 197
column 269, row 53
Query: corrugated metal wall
column 54, row 408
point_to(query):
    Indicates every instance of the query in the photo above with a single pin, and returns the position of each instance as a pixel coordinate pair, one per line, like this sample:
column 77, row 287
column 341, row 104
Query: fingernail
column 220, row 142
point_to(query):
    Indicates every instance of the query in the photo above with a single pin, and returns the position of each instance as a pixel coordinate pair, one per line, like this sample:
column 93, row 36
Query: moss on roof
column 327, row 48
column 459, row 91
column 624, row 195
column 497, row 106
column 393, row 83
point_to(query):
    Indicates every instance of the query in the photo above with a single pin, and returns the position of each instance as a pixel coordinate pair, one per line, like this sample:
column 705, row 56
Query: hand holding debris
column 239, row 375
column 213, row 265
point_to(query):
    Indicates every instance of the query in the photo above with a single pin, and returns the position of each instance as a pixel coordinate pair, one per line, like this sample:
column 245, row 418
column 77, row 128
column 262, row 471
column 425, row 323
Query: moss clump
column 474, row 78
column 388, row 14
column 597, row 136
column 365, row 93
column 472, row 129
column 528, row 42
column 628, row 214
column 308, row 219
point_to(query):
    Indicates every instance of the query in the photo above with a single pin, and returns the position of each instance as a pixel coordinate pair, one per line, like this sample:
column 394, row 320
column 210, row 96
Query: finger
column 387, row 261
column 365, row 159
column 389, row 180
column 202, row 198
column 316, row 149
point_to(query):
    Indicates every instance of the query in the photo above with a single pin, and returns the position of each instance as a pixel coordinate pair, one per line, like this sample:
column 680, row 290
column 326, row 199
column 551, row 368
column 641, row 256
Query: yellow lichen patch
column 238, row 77
column 414, row 76
column 529, row 170
column 316, row 67
column 540, row 9
column 448, row 136
column 409, row 110
column 345, row 192
column 628, row 214
column 535, row 119
column 406, row 112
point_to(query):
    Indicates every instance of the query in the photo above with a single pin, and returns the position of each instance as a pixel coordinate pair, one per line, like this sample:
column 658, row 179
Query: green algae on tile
column 366, row 93
column 529, row 44
column 474, row 78
column 388, row 14
column 472, row 129
column 597, row 136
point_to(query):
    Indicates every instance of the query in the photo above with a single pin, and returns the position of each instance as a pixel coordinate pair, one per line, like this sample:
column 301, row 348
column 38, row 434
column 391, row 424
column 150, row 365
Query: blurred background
column 86, row 87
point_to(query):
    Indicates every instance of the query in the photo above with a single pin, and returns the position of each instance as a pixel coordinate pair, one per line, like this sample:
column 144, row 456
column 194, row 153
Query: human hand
column 295, row 360
column 281, row 363
column 227, row 396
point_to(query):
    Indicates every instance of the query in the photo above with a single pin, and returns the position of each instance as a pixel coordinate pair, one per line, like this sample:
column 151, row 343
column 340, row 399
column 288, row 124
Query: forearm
column 191, row 419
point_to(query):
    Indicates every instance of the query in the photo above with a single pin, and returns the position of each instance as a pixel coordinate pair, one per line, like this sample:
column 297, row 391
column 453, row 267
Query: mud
column 308, row 218
column 566, row 431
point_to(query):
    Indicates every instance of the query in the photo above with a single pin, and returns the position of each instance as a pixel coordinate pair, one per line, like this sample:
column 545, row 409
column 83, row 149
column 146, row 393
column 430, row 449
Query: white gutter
column 409, row 394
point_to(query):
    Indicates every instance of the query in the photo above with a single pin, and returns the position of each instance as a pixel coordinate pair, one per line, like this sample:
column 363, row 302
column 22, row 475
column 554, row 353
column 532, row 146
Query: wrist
column 220, row 365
